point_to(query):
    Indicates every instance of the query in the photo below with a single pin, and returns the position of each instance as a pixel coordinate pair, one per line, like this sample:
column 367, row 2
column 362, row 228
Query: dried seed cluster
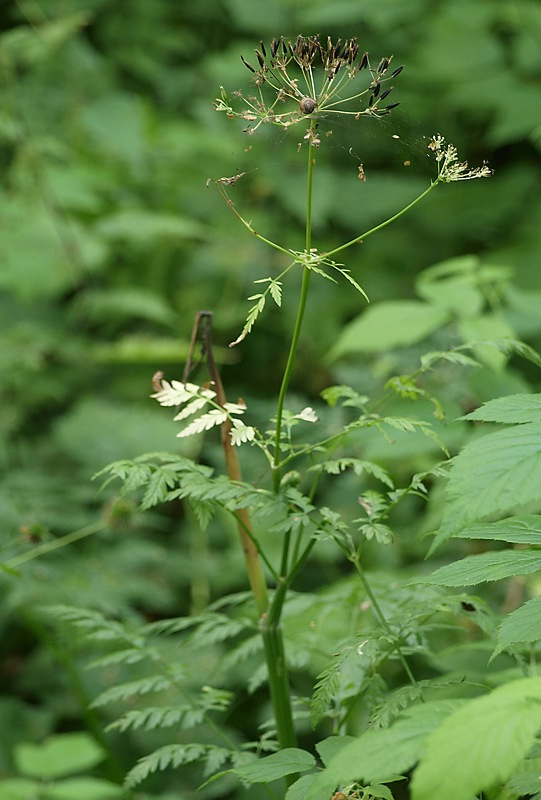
column 315, row 75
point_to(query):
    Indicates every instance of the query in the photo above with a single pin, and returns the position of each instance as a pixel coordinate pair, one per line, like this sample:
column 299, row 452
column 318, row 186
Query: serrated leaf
column 379, row 755
column 486, row 567
column 275, row 289
column 525, row 782
column 299, row 789
column 169, row 756
column 524, row 529
column 277, row 765
column 155, row 683
column 521, row 626
column 516, row 408
column 493, row 475
column 480, row 744
column 204, row 423
column 330, row 747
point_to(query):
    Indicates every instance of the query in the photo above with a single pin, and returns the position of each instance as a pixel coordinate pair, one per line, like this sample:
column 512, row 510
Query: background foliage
column 111, row 242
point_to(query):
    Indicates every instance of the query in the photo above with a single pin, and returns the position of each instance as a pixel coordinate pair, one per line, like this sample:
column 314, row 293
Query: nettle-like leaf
column 493, row 566
column 522, row 626
column 479, row 745
column 382, row 754
column 492, row 475
column 525, row 529
column 512, row 409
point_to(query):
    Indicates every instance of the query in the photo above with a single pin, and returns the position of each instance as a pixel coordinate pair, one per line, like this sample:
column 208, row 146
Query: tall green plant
column 295, row 83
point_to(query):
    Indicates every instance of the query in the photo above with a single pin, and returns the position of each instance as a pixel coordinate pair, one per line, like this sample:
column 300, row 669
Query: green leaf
column 388, row 325
column 486, row 567
column 379, row 755
column 19, row 789
column 488, row 327
column 58, row 755
column 144, row 228
column 173, row 755
column 515, row 408
column 525, row 782
column 277, row 765
column 524, row 529
column 330, row 747
column 453, row 285
column 480, row 744
column 299, row 790
column 493, row 475
column 520, row 626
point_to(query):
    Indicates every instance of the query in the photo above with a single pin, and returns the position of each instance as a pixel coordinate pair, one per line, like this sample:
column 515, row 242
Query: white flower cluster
column 450, row 168
column 194, row 400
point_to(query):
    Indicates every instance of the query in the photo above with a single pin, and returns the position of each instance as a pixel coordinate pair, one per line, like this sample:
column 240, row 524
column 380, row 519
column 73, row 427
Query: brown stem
column 203, row 328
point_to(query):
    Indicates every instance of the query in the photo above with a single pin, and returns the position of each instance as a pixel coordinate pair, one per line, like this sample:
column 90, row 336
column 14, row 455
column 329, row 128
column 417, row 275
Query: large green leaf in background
column 479, row 745
column 493, row 475
column 388, row 325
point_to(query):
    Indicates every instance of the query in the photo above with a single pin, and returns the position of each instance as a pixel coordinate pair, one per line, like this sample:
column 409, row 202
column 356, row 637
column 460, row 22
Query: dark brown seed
column 377, row 87
column 364, row 61
column 274, row 47
column 397, row 71
column 246, row 64
column 260, row 58
column 382, row 66
column 386, row 93
column 263, row 48
column 393, row 105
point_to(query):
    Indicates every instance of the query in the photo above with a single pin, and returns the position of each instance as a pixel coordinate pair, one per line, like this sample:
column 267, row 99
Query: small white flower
column 450, row 168
column 307, row 415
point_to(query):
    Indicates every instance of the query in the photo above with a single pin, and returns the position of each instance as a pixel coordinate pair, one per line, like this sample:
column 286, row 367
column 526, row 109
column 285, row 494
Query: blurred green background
column 111, row 242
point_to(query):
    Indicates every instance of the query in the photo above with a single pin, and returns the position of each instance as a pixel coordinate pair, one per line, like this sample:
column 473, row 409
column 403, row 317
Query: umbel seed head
column 295, row 79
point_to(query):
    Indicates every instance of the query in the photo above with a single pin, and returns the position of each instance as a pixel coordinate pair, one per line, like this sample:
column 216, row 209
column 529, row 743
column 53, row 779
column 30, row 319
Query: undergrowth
column 336, row 669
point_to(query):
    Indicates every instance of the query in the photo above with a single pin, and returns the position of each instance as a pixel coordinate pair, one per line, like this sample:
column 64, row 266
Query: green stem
column 382, row 619
column 363, row 236
column 298, row 322
column 62, row 541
